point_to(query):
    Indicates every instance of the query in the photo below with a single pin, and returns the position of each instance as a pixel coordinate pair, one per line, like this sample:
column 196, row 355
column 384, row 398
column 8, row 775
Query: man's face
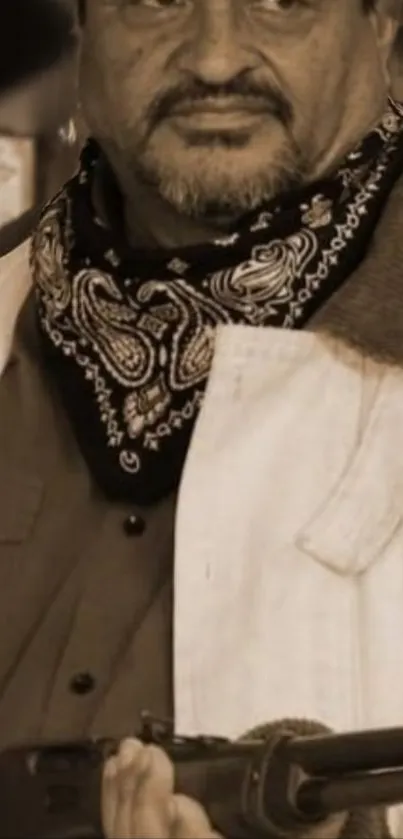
column 219, row 104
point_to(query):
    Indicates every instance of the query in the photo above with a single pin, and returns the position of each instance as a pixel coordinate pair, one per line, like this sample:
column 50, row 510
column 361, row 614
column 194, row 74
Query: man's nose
column 218, row 49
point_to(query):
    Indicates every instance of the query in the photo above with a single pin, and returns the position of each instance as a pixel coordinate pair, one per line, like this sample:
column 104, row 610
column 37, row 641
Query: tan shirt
column 85, row 603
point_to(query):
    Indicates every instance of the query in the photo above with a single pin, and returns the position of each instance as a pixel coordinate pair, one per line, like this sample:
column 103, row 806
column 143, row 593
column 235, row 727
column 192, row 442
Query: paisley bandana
column 129, row 333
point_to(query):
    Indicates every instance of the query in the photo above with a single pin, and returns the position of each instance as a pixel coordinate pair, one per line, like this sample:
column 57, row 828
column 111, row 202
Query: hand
column 138, row 800
column 332, row 829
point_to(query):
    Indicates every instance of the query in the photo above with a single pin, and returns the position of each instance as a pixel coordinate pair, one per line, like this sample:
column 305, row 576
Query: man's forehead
column 392, row 8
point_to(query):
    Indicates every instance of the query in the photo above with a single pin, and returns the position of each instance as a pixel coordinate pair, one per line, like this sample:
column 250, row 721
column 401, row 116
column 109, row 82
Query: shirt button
column 82, row 683
column 134, row 525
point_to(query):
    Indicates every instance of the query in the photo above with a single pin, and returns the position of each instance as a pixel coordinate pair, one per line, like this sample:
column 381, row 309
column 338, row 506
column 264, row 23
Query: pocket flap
column 352, row 529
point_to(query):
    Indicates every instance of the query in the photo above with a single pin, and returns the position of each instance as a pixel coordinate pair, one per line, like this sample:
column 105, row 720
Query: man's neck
column 150, row 222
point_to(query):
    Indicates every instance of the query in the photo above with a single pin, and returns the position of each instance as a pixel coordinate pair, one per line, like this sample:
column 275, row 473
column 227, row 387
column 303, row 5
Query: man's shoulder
column 15, row 282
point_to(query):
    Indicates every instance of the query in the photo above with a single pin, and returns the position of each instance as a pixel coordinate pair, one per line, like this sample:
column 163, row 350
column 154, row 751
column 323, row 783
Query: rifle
column 272, row 786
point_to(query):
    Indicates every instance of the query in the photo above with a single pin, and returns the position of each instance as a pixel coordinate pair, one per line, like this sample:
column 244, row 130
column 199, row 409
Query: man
column 245, row 176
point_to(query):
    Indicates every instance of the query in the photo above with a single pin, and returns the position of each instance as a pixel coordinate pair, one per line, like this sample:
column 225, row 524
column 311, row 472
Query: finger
column 190, row 820
column 153, row 799
column 109, row 798
column 330, row 829
column 121, row 773
column 131, row 763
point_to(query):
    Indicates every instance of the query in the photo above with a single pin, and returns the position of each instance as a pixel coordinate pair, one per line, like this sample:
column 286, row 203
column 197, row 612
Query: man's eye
column 279, row 5
column 159, row 4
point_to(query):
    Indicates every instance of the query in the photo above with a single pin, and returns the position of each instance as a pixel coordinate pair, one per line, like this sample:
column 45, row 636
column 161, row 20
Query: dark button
column 134, row 525
column 82, row 683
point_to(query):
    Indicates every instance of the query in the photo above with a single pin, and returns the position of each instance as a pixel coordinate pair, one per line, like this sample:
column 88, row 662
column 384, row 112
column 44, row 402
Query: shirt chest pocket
column 362, row 515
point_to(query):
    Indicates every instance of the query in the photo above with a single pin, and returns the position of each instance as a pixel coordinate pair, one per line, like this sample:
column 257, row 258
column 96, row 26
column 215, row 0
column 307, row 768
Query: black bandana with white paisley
column 129, row 333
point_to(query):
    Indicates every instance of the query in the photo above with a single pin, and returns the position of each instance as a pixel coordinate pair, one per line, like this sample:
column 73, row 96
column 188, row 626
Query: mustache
column 196, row 92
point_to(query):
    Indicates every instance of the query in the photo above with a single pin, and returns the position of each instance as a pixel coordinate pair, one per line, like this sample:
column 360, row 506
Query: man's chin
column 205, row 191
column 234, row 179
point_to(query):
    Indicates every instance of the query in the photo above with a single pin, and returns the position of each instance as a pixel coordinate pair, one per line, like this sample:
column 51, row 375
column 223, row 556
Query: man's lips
column 222, row 106
column 219, row 115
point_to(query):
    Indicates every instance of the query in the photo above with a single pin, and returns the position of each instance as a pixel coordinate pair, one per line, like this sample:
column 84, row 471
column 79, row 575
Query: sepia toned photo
column 201, row 419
